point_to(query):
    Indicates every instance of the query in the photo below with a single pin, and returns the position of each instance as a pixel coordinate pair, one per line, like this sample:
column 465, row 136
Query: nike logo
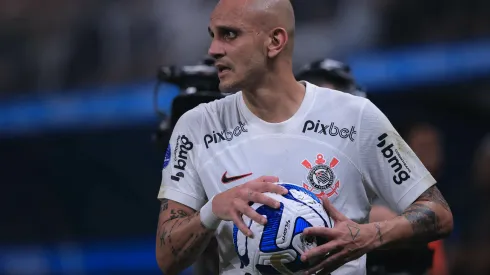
column 225, row 179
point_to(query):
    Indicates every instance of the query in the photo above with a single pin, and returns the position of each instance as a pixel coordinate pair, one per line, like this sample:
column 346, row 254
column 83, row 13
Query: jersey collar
column 299, row 116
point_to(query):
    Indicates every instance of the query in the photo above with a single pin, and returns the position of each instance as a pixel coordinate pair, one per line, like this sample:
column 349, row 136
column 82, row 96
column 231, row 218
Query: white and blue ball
column 276, row 248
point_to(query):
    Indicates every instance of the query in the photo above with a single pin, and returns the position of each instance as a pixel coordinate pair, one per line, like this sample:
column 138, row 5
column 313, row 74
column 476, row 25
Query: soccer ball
column 276, row 248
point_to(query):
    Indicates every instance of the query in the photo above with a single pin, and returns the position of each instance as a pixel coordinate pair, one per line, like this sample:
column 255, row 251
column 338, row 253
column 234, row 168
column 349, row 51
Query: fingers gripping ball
column 276, row 248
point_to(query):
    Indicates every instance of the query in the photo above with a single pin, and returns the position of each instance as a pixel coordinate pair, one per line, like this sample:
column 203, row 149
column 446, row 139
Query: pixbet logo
column 218, row 137
column 181, row 159
column 331, row 129
column 394, row 158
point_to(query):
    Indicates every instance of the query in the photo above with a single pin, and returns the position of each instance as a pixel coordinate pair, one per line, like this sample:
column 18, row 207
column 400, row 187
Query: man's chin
column 225, row 87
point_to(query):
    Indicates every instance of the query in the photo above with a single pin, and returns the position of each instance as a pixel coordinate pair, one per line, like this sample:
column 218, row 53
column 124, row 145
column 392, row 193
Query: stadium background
column 79, row 169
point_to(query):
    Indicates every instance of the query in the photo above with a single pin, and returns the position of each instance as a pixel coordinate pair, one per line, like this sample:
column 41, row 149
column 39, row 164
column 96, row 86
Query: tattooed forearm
column 429, row 223
column 163, row 236
column 181, row 238
column 434, row 195
column 429, row 218
column 424, row 221
column 174, row 214
column 175, row 246
column 195, row 244
column 164, row 205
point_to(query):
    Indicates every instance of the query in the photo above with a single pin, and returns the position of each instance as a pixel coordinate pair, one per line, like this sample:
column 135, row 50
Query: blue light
column 384, row 71
column 72, row 258
column 387, row 71
column 101, row 107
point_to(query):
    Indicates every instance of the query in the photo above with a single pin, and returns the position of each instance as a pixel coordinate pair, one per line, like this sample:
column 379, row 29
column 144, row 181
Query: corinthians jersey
column 336, row 145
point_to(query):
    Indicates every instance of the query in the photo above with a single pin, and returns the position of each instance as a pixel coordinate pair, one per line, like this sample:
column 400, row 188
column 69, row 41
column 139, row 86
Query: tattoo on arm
column 164, row 205
column 193, row 245
column 354, row 231
column 378, row 230
column 434, row 195
column 423, row 220
column 182, row 250
column 163, row 235
column 174, row 214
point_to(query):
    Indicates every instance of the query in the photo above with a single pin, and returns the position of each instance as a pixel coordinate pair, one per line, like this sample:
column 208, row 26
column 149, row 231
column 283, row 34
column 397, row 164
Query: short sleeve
column 180, row 181
column 389, row 166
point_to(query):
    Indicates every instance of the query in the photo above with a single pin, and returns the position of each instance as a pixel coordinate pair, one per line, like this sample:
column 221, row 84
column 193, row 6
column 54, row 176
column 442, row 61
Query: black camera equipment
column 331, row 71
column 197, row 84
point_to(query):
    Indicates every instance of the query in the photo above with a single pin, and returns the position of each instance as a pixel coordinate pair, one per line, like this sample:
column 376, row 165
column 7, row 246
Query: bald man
column 224, row 155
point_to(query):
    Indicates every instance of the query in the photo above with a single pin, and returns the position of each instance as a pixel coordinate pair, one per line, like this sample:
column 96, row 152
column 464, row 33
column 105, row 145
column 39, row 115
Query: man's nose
column 216, row 49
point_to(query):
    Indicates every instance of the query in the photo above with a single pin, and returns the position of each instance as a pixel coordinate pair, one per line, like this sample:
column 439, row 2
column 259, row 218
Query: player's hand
column 231, row 204
column 346, row 241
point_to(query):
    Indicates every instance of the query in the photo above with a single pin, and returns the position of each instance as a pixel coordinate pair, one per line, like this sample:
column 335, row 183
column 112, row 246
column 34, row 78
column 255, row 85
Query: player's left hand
column 347, row 241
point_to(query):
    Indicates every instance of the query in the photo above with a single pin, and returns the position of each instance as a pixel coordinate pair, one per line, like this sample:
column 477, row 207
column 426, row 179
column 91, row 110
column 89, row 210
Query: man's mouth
column 222, row 69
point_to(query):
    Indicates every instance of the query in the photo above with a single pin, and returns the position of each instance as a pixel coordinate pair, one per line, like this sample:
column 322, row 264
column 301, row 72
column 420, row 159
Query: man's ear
column 277, row 42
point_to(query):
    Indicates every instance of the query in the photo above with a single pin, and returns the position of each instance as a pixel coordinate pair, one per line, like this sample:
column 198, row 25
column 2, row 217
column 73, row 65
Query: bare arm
column 428, row 218
column 181, row 237
column 381, row 213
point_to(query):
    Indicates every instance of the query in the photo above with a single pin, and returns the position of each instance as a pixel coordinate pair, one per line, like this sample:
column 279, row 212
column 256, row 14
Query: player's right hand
column 231, row 204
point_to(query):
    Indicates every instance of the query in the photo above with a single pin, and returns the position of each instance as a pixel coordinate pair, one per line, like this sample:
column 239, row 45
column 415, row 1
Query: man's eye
column 230, row 35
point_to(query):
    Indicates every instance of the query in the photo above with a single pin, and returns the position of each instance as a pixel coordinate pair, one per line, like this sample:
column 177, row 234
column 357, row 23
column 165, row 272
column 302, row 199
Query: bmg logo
column 394, row 158
column 181, row 159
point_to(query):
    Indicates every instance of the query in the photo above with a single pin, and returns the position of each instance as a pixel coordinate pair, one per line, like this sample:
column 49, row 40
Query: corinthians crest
column 321, row 179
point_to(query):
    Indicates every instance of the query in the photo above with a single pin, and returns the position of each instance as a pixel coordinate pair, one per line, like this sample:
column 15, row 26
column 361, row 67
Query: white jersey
column 336, row 145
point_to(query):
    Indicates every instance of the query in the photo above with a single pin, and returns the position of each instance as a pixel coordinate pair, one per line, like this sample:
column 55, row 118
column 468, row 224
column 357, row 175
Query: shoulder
column 339, row 100
column 210, row 110
column 339, row 105
column 211, row 114
column 189, row 121
column 219, row 107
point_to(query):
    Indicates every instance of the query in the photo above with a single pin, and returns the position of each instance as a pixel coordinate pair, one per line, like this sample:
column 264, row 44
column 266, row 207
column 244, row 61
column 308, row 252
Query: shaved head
column 263, row 15
column 251, row 38
column 274, row 14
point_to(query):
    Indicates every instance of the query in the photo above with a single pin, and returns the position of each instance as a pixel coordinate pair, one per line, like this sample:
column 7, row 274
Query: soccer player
column 227, row 153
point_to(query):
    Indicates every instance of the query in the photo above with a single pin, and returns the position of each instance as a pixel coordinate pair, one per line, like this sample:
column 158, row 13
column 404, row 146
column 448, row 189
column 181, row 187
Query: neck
column 276, row 99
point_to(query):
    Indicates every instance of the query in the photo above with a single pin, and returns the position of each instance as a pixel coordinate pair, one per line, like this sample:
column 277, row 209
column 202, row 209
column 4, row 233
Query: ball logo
column 394, row 158
column 285, row 231
column 321, row 177
column 332, row 130
column 218, row 137
column 181, row 159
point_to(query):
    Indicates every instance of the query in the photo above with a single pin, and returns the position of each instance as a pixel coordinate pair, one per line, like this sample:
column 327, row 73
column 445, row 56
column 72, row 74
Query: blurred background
column 80, row 168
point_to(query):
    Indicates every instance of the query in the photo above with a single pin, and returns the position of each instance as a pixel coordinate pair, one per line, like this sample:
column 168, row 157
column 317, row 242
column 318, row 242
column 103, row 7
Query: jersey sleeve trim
column 413, row 193
column 181, row 197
